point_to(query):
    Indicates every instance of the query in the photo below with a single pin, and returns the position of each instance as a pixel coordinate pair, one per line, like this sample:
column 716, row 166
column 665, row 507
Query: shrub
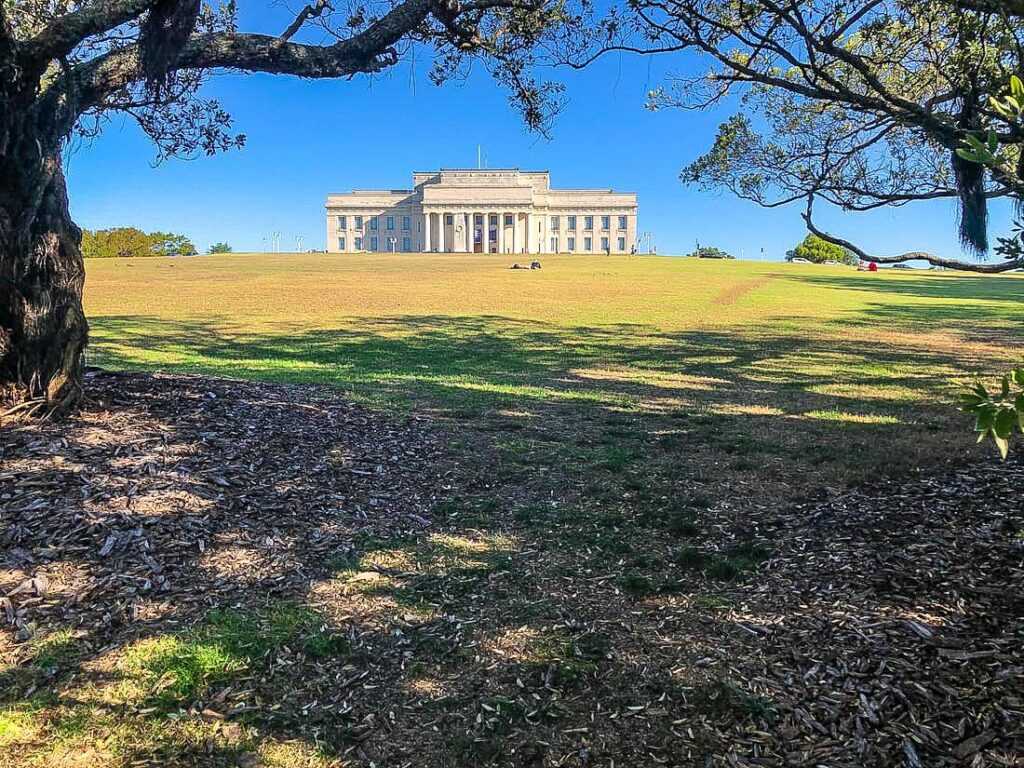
column 813, row 248
column 710, row 252
column 997, row 415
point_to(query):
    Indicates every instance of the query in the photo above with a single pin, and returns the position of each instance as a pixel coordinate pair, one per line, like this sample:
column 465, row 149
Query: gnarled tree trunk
column 43, row 330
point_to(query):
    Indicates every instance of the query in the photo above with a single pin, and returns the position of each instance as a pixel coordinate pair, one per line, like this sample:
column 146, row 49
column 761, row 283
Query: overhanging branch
column 368, row 51
column 937, row 261
column 60, row 36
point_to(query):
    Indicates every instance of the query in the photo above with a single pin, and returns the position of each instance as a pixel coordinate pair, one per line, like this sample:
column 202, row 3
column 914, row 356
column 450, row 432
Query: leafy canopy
column 815, row 249
column 129, row 242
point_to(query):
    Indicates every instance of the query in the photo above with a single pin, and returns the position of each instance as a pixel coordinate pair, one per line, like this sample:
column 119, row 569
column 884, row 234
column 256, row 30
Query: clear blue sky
column 306, row 139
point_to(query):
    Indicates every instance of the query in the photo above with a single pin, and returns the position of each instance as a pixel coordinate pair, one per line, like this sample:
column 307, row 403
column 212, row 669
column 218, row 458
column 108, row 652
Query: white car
column 798, row 260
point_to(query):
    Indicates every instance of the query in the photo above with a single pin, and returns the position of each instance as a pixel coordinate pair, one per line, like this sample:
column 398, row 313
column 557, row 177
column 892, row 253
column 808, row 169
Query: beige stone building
column 482, row 211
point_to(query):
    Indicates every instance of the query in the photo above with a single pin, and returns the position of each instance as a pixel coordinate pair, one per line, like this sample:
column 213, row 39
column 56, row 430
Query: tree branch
column 309, row 12
column 63, row 34
column 938, row 261
column 368, row 51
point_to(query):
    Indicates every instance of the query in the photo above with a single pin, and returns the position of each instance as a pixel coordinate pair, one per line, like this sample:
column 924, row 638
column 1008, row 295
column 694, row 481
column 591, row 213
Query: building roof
column 482, row 170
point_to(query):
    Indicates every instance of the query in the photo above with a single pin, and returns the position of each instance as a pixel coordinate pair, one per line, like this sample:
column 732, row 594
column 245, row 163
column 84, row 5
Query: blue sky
column 306, row 139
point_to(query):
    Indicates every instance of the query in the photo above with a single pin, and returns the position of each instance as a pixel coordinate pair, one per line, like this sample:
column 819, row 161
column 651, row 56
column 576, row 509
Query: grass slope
column 747, row 363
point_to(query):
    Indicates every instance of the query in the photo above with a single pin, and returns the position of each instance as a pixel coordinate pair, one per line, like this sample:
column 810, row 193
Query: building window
column 588, row 244
column 606, row 221
column 406, row 223
column 449, row 218
column 508, row 220
column 391, row 222
column 373, row 243
column 571, row 222
column 343, row 222
column 493, row 219
column 406, row 244
column 622, row 244
column 359, row 243
column 554, row 245
column 554, row 223
column 622, row 222
column 359, row 222
column 478, row 218
column 604, row 244
column 373, row 223
column 341, row 243
column 588, row 223
column 572, row 244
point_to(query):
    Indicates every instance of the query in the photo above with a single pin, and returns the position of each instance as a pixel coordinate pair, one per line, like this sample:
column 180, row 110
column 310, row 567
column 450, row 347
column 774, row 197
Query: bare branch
column 938, row 261
column 309, row 12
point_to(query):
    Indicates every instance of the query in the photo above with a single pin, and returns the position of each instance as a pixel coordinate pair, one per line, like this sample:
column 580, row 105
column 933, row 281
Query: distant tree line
column 129, row 242
column 709, row 252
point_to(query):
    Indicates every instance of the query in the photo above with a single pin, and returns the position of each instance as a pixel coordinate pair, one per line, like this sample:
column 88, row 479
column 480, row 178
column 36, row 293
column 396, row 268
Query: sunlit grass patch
column 175, row 669
column 293, row 754
column 180, row 669
column 847, row 417
column 19, row 724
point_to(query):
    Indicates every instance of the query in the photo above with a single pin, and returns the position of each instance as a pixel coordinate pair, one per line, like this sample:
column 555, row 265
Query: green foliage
column 710, row 252
column 130, row 242
column 984, row 149
column 819, row 251
column 220, row 248
column 170, row 244
column 997, row 415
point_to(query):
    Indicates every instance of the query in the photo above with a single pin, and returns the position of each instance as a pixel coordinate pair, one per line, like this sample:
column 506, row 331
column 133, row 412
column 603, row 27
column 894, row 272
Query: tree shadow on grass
column 746, row 397
column 984, row 309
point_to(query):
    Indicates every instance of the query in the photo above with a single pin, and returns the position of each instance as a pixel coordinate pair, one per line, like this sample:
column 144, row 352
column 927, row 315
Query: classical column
column 485, row 235
column 440, row 231
column 468, row 218
column 515, row 232
column 426, row 232
column 501, row 231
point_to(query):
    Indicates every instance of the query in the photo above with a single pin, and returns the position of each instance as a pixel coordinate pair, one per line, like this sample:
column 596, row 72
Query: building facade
column 482, row 211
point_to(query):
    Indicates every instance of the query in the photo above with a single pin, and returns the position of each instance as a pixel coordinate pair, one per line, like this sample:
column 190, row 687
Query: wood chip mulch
column 170, row 494
column 885, row 629
column 889, row 628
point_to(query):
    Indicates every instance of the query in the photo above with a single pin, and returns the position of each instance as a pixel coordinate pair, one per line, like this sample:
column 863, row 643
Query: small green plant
column 55, row 649
column 723, row 698
column 683, row 525
column 321, row 645
column 636, row 584
column 997, row 415
column 691, row 558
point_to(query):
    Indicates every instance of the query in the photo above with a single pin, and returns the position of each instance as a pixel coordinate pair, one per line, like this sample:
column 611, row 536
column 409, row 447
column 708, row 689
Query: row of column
column 469, row 228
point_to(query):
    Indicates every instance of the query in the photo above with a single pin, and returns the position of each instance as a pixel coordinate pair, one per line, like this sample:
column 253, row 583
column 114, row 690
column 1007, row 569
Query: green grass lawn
column 737, row 366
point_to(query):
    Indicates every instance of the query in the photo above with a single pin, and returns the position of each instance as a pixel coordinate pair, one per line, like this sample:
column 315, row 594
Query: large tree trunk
column 43, row 330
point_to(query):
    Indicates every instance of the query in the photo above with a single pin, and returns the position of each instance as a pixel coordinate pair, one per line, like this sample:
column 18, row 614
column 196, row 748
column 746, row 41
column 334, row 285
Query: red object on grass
column 872, row 267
